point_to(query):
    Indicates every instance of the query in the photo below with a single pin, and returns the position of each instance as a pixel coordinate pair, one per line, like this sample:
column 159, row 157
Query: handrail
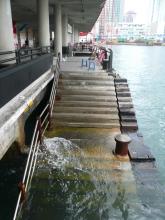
column 42, row 123
column 19, row 55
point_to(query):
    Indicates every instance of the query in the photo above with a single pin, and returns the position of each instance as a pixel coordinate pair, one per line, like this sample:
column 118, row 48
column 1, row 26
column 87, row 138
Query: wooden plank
column 138, row 152
column 122, row 89
column 123, row 94
column 127, row 111
column 128, row 118
column 125, row 104
column 121, row 80
column 129, row 126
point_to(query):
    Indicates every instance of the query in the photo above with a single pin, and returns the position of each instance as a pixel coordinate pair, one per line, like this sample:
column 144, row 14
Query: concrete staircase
column 86, row 100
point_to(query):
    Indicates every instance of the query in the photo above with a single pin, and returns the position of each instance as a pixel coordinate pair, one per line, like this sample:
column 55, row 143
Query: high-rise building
column 115, row 10
column 112, row 13
column 157, row 16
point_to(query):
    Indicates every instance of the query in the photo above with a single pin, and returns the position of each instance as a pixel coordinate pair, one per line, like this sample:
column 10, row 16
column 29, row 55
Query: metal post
column 40, row 130
column 49, row 116
column 21, row 187
column 31, row 54
column 16, row 56
column 122, row 141
column 110, row 61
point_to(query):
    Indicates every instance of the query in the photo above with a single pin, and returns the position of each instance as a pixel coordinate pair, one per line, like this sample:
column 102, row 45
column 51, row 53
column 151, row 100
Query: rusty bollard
column 122, row 141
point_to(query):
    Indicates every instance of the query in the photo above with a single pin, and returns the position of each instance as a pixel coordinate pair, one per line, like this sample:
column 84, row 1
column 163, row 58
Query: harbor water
column 144, row 68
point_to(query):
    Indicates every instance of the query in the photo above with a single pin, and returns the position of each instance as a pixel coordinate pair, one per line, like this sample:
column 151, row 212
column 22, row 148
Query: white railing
column 42, row 123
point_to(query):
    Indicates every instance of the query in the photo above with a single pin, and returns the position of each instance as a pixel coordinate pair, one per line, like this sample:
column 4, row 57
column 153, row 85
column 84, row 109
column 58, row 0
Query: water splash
column 58, row 153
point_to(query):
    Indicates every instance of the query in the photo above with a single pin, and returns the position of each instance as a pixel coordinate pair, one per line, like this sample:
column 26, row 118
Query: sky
column 140, row 7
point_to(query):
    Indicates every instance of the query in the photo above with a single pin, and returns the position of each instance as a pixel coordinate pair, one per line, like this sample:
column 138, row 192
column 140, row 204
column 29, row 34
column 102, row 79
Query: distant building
column 112, row 13
column 131, row 31
column 130, row 17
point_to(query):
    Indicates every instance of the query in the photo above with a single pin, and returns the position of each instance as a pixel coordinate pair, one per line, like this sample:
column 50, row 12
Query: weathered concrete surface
column 87, row 91
column 15, row 112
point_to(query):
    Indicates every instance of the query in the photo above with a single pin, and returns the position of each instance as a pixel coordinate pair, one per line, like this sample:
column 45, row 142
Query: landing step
column 86, row 82
column 86, row 92
column 87, row 125
column 139, row 152
column 85, row 117
column 85, row 77
column 86, row 87
column 82, row 72
column 77, row 109
column 87, row 98
column 86, row 104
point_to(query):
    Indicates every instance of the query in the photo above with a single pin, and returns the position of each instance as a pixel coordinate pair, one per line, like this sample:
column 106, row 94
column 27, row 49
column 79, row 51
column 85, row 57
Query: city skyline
column 131, row 19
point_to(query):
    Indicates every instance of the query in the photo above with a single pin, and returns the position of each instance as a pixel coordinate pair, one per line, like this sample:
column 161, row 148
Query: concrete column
column 73, row 28
column 65, row 30
column 43, row 22
column 76, row 35
column 6, row 28
column 58, row 30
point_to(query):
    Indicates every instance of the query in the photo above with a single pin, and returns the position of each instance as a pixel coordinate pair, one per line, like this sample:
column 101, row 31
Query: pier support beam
column 58, row 30
column 64, row 30
column 43, row 22
column 6, row 29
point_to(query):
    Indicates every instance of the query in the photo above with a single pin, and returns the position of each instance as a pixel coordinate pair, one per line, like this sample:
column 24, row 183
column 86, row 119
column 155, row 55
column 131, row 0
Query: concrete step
column 86, row 82
column 77, row 109
column 87, row 125
column 87, row 98
column 82, row 72
column 86, row 92
column 86, row 87
column 72, row 76
column 86, row 104
column 85, row 117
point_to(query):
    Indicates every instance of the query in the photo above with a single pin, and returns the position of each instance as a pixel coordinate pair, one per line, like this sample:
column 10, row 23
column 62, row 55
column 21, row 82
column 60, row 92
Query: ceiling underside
column 82, row 13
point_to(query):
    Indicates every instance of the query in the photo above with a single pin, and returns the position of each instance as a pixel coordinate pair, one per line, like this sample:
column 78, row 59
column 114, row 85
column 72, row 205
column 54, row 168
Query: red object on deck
column 83, row 33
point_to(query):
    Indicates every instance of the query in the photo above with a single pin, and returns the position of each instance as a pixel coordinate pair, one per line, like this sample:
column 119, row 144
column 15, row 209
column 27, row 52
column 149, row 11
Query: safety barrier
column 20, row 55
column 42, row 123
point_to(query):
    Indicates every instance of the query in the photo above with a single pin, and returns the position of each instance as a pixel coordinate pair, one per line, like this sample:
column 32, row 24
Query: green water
column 68, row 185
column 144, row 67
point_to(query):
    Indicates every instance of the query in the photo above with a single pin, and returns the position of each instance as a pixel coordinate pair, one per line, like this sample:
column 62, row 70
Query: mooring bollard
column 122, row 141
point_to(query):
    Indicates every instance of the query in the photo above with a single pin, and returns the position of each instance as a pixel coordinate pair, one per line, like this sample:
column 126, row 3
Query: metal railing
column 21, row 55
column 42, row 123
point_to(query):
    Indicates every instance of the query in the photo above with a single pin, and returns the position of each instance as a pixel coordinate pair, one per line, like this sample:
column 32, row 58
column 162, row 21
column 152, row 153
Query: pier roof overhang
column 82, row 13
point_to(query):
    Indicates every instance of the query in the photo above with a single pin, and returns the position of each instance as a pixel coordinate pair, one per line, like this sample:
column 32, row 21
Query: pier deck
column 86, row 115
column 77, row 169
